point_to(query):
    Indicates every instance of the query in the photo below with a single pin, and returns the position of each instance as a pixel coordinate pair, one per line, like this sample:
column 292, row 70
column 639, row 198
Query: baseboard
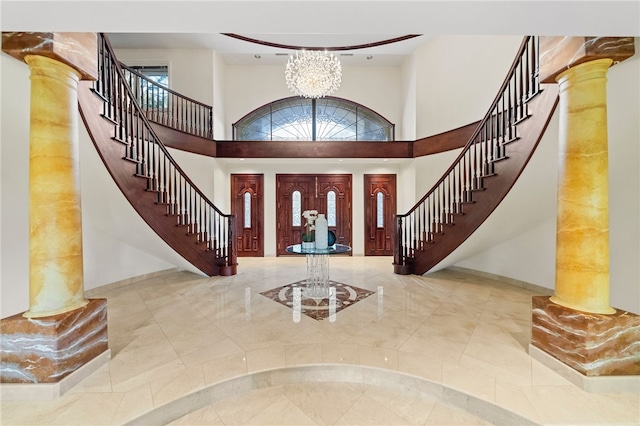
column 512, row 281
column 593, row 384
column 96, row 291
column 50, row 391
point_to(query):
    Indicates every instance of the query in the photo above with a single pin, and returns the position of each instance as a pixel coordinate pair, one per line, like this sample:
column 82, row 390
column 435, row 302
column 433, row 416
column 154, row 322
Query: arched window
column 324, row 119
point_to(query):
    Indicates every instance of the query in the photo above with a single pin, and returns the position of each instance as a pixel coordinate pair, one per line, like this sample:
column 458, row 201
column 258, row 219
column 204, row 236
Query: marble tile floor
column 179, row 334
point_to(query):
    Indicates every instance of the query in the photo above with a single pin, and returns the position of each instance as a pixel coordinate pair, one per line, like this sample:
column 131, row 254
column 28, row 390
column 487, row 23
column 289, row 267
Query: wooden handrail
column 168, row 107
column 416, row 229
column 174, row 189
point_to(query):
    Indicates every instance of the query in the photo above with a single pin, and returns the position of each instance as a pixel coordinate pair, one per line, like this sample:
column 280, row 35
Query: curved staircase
column 484, row 172
column 148, row 176
column 462, row 199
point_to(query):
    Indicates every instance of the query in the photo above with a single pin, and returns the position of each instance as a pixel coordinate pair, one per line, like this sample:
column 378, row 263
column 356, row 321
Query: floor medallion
column 296, row 296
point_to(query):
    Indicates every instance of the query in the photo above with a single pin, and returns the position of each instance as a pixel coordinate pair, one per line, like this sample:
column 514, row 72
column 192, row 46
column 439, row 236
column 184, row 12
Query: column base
column 51, row 391
column 47, row 349
column 592, row 344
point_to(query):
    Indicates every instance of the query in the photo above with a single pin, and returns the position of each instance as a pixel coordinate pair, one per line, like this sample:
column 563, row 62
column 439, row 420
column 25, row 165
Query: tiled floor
column 181, row 333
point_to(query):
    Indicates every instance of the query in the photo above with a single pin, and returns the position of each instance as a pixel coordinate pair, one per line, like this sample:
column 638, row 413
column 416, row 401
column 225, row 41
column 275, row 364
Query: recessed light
column 385, row 160
column 242, row 159
column 370, row 57
column 257, row 56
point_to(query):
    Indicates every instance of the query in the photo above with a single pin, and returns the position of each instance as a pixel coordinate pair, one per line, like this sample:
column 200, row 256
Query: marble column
column 55, row 220
column 582, row 233
column 577, row 325
column 62, row 331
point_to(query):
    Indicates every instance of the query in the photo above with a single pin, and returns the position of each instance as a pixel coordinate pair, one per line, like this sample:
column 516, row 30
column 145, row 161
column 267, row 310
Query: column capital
column 557, row 54
column 78, row 50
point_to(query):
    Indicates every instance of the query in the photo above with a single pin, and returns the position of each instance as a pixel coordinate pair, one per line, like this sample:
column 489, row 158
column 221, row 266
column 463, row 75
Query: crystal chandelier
column 313, row 74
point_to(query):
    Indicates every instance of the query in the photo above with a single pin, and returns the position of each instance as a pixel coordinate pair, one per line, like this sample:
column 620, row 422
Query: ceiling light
column 313, row 74
column 257, row 56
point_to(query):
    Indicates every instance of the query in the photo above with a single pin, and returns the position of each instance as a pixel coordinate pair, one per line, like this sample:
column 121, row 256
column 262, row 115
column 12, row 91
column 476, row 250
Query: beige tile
column 241, row 409
column 147, row 376
column 214, row 350
column 281, row 412
column 443, row 414
column 266, row 359
column 412, row 407
column 83, row 411
column 98, row 381
column 340, row 353
column 325, row 402
column 224, row 368
column 378, row 357
column 176, row 333
column 420, row 365
column 172, row 386
column 303, row 354
column 134, row 403
column 204, row 416
column 469, row 381
column 512, row 398
column 36, row 412
column 368, row 411
column 261, row 336
column 563, row 405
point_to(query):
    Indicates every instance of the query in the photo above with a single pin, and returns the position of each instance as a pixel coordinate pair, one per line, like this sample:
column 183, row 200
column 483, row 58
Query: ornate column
column 582, row 233
column 577, row 325
column 61, row 331
column 55, row 236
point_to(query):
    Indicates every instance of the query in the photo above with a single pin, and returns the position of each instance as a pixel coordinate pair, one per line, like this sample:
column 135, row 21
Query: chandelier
column 313, row 74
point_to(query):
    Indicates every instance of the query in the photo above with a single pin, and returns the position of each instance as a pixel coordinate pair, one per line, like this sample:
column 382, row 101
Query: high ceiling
column 241, row 52
column 327, row 23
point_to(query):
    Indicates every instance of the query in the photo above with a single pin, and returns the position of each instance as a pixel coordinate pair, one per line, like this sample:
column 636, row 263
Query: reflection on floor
column 181, row 333
column 295, row 296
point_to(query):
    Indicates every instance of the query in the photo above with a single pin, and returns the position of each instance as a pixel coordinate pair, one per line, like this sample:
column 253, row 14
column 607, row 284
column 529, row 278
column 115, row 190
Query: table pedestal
column 317, row 276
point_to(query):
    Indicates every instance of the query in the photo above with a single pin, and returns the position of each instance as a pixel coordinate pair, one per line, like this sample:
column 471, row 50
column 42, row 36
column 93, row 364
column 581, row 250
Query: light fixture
column 313, row 74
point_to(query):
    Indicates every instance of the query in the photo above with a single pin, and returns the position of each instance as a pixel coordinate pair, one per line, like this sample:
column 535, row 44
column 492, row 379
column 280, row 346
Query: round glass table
column 317, row 284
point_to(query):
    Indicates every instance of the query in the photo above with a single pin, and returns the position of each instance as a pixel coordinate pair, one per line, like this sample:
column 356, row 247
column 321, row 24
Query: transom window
column 324, row 119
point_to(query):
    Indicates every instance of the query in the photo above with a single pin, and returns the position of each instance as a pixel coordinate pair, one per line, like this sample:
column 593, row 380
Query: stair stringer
column 496, row 186
column 134, row 188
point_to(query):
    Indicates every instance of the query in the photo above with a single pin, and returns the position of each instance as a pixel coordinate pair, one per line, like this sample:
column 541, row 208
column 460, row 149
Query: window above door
column 324, row 119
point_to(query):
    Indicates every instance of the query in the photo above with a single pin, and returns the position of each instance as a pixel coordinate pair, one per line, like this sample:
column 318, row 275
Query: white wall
column 459, row 89
column 220, row 130
column 14, row 193
column 408, row 99
column 250, row 87
column 190, row 70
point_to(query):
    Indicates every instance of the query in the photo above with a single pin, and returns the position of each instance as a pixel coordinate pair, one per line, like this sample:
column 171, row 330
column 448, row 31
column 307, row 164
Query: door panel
column 313, row 191
column 379, row 209
column 247, row 200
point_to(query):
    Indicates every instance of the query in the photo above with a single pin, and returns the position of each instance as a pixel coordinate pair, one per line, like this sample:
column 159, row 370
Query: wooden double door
column 327, row 193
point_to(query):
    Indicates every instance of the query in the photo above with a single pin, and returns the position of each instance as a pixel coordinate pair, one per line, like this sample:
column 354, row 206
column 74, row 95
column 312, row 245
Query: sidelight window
column 380, row 210
column 247, row 210
column 331, row 208
column 296, row 206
